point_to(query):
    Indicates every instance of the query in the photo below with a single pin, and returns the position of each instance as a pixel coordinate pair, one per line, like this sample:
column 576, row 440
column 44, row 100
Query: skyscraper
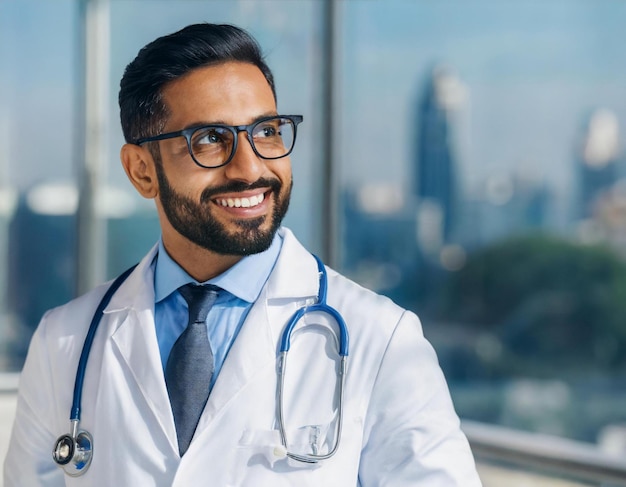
column 598, row 160
column 435, row 186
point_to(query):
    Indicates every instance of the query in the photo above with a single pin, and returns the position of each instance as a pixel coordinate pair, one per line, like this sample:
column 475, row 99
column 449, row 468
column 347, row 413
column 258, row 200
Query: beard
column 195, row 221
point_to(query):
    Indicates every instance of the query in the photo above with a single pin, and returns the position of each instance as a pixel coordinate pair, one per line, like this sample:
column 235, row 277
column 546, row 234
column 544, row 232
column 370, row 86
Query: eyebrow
column 222, row 122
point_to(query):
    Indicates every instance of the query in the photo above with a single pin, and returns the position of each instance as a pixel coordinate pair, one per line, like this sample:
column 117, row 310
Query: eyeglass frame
column 235, row 130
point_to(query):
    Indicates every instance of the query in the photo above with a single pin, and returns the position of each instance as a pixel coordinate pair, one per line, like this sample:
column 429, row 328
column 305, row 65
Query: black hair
column 142, row 110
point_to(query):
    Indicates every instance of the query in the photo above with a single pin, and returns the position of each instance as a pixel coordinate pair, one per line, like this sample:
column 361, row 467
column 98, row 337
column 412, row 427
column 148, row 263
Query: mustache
column 238, row 186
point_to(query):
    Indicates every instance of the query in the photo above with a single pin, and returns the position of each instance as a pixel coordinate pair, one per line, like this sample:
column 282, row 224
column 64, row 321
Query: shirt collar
column 245, row 279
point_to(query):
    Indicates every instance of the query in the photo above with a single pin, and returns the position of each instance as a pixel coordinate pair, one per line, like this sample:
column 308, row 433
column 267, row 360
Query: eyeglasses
column 212, row 146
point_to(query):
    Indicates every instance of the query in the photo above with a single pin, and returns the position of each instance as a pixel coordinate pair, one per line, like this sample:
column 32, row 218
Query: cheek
column 191, row 183
column 282, row 170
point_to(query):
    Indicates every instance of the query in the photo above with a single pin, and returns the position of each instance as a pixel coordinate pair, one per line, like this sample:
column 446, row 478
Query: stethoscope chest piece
column 73, row 453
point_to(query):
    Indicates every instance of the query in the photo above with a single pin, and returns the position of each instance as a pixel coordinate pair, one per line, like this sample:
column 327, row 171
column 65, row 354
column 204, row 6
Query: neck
column 198, row 262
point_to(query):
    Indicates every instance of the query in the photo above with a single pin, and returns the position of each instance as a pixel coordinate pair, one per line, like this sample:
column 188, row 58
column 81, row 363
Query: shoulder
column 362, row 303
column 381, row 333
column 365, row 312
column 72, row 318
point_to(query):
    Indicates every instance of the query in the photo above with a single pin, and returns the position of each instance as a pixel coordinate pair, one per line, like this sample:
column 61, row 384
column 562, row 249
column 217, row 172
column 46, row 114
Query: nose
column 245, row 165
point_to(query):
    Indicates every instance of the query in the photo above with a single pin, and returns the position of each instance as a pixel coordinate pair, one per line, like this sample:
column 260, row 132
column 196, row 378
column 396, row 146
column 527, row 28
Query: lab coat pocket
column 262, row 457
column 264, row 447
column 261, row 447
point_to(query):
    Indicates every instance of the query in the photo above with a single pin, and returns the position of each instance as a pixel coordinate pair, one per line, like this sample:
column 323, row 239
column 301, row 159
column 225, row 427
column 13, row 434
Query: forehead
column 232, row 93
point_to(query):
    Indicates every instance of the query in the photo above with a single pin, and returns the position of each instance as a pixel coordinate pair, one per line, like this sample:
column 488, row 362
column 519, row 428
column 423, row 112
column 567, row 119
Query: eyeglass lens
column 213, row 145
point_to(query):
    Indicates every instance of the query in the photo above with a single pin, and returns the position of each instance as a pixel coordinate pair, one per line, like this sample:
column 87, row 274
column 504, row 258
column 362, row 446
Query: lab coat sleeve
column 29, row 457
column 412, row 433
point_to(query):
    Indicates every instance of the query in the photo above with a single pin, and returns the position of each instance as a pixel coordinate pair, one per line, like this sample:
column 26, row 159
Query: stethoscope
column 73, row 452
column 319, row 306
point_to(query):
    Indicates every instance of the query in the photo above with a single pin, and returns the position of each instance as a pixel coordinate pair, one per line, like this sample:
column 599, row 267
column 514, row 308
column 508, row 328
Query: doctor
column 198, row 111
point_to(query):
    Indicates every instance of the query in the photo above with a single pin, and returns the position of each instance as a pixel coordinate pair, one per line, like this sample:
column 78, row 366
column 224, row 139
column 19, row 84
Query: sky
column 533, row 71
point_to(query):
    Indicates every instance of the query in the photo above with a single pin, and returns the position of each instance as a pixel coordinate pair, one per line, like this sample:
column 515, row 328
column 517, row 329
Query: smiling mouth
column 250, row 202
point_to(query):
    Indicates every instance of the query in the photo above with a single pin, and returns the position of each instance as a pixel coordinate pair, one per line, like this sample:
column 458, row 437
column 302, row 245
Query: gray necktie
column 190, row 367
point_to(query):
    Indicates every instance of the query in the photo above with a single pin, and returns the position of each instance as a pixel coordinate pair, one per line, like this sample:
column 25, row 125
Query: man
column 206, row 142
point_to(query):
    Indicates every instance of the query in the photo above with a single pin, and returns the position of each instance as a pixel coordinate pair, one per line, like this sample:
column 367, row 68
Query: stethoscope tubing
column 321, row 306
column 84, row 355
column 310, row 458
column 285, row 340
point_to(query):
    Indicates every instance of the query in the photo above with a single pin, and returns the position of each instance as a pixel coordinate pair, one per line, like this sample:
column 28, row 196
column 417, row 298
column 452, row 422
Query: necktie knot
column 200, row 299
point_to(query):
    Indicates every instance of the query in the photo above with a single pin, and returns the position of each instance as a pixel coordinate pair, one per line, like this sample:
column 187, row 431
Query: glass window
column 482, row 186
column 38, row 195
column 43, row 129
column 480, row 162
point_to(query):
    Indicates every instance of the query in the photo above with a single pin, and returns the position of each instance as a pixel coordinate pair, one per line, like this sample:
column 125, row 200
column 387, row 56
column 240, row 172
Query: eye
column 267, row 129
column 210, row 136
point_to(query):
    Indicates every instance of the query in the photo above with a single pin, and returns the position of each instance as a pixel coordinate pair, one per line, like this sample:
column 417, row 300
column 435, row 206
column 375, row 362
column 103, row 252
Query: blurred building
column 381, row 249
column 598, row 160
column 396, row 236
column 435, row 171
column 42, row 247
column 601, row 182
column 504, row 205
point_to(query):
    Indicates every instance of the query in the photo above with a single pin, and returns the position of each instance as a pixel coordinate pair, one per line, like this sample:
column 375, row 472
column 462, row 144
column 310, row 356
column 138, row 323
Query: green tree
column 549, row 302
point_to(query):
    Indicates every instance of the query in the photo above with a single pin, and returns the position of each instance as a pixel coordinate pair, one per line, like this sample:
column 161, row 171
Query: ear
column 139, row 166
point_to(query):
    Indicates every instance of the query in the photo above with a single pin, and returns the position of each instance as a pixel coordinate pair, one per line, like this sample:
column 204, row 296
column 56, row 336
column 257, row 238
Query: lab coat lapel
column 291, row 283
column 131, row 313
column 251, row 351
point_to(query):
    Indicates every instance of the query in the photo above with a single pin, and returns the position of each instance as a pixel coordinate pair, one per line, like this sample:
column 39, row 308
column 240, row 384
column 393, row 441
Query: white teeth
column 242, row 202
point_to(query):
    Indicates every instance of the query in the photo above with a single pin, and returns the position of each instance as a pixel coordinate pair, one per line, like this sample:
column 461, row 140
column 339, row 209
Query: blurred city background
column 464, row 157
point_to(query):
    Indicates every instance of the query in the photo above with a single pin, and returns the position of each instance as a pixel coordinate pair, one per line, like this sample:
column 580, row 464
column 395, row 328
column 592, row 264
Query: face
column 231, row 210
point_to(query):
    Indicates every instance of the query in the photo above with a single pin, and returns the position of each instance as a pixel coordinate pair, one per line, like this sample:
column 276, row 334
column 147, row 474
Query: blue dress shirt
column 241, row 286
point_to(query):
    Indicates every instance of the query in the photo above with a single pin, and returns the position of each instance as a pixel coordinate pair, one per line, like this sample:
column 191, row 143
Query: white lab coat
column 399, row 426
